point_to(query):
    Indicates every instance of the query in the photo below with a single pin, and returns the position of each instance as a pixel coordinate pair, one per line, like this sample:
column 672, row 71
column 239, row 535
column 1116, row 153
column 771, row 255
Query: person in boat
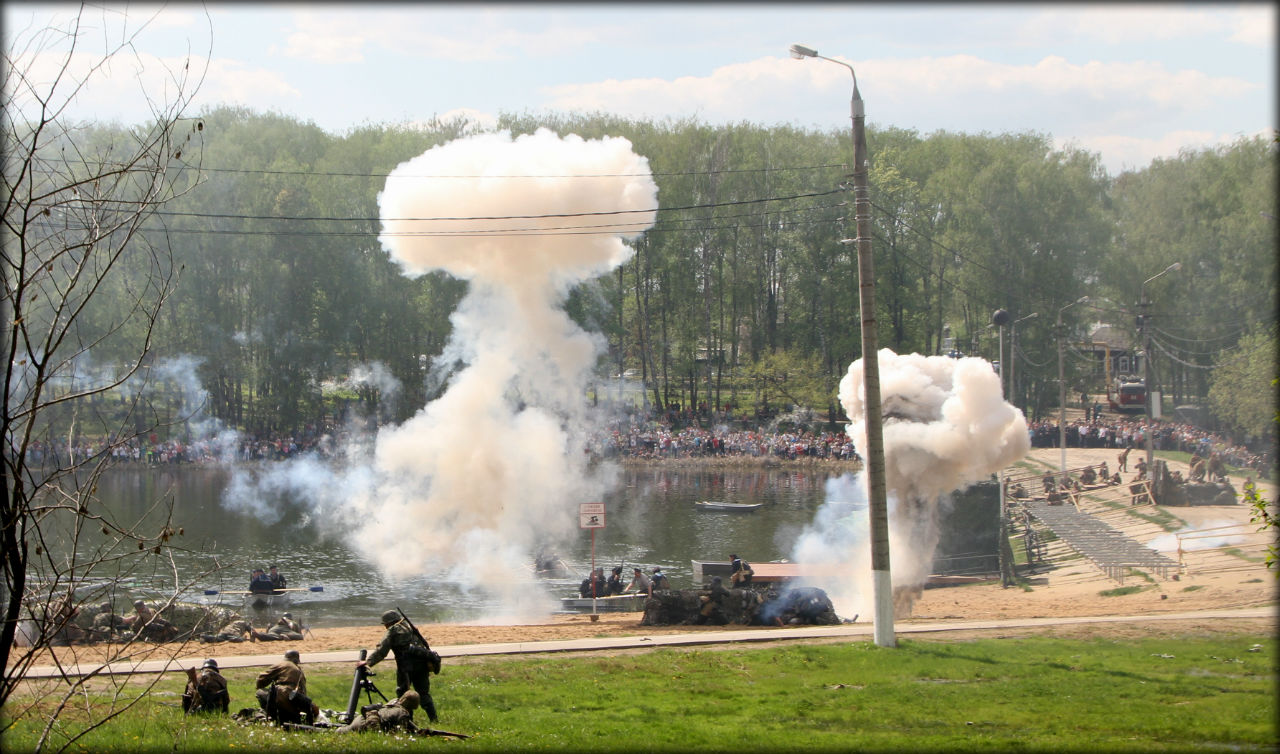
column 285, row 629
column 594, row 585
column 614, row 585
column 277, row 579
column 260, row 582
column 659, row 579
column 740, row 572
column 640, row 583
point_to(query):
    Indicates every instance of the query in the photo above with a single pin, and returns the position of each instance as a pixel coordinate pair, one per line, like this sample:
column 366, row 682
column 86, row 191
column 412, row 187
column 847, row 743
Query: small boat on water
column 618, row 603
column 264, row 600
column 715, row 505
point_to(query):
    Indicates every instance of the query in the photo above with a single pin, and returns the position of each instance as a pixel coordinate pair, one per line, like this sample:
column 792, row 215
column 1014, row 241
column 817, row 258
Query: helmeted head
column 410, row 701
column 105, row 607
column 210, row 663
column 390, row 617
column 288, row 616
column 139, row 603
column 293, row 656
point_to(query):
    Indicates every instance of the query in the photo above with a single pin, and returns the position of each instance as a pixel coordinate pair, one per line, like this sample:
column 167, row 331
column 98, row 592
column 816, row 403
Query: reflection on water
column 650, row 518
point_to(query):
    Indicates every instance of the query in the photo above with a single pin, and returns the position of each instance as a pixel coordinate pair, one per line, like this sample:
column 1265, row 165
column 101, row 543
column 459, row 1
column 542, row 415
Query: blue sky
column 1131, row 83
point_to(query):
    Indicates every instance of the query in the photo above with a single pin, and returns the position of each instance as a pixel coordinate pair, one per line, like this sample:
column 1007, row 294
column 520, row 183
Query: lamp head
column 800, row 52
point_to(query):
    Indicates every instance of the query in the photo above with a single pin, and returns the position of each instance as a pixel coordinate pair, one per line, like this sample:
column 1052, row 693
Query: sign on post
column 591, row 516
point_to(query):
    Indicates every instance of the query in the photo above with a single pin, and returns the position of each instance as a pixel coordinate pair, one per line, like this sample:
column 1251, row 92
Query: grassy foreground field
column 1026, row 694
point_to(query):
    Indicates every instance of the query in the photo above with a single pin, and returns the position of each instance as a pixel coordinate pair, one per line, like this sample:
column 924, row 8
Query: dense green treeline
column 743, row 293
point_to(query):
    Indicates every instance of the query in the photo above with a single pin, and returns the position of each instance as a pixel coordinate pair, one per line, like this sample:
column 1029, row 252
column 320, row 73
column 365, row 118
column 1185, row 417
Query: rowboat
column 265, row 600
column 715, row 505
column 618, row 603
column 280, row 598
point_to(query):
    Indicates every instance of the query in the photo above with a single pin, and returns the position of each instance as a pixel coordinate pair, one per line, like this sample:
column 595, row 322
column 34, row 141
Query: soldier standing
column 413, row 664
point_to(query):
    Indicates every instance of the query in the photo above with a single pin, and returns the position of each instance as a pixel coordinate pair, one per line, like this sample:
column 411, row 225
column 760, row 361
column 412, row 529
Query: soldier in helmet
column 206, row 691
column 413, row 663
column 282, row 691
column 386, row 717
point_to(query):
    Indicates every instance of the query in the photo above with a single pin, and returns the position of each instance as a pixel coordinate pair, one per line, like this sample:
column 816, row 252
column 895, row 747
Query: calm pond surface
column 651, row 521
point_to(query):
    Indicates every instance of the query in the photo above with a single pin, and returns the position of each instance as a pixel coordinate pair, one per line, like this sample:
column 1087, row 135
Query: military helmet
column 390, row 616
column 287, row 615
column 292, row 656
column 139, row 603
column 105, row 607
column 410, row 701
column 210, row 663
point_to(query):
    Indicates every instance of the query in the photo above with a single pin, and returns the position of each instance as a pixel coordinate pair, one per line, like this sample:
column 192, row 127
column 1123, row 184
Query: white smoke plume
column 946, row 427
column 472, row 483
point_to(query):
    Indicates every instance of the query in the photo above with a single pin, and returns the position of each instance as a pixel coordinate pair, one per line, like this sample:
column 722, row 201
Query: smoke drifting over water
column 946, row 426
column 495, row 465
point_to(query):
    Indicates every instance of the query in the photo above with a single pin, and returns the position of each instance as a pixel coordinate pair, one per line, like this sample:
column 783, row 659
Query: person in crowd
column 414, row 659
column 206, row 691
column 659, row 579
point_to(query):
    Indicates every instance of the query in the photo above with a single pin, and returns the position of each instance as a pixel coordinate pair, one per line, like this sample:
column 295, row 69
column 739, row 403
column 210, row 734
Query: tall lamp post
column 878, row 503
column 1062, row 385
column 1146, row 362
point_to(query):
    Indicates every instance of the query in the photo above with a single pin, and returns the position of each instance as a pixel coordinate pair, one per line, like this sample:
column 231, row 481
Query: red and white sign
column 591, row 516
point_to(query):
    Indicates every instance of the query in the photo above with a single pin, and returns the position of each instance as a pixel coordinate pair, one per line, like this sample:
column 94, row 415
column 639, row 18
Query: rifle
column 434, row 658
column 360, row 681
column 434, row 732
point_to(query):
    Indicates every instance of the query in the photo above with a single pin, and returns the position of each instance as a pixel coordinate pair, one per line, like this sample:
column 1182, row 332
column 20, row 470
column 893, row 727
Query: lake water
column 651, row 521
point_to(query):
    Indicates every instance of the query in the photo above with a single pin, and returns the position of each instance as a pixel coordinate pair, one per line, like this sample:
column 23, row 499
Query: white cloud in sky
column 1135, row 24
column 440, row 34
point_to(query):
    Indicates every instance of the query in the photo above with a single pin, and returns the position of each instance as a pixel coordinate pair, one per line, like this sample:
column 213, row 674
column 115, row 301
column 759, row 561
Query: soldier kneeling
column 386, row 717
column 206, row 691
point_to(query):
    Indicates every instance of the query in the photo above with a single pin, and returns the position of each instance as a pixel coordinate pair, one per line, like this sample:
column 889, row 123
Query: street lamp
column 1146, row 362
column 1062, row 386
column 878, row 503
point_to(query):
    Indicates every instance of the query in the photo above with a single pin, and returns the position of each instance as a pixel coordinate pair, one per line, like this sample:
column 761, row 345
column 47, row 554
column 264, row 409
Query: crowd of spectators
column 1129, row 432
column 641, row 438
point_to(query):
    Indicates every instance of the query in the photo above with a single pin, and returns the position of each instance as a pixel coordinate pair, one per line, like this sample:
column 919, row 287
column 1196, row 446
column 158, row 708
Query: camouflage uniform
column 386, row 717
column 410, row 670
column 233, row 631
